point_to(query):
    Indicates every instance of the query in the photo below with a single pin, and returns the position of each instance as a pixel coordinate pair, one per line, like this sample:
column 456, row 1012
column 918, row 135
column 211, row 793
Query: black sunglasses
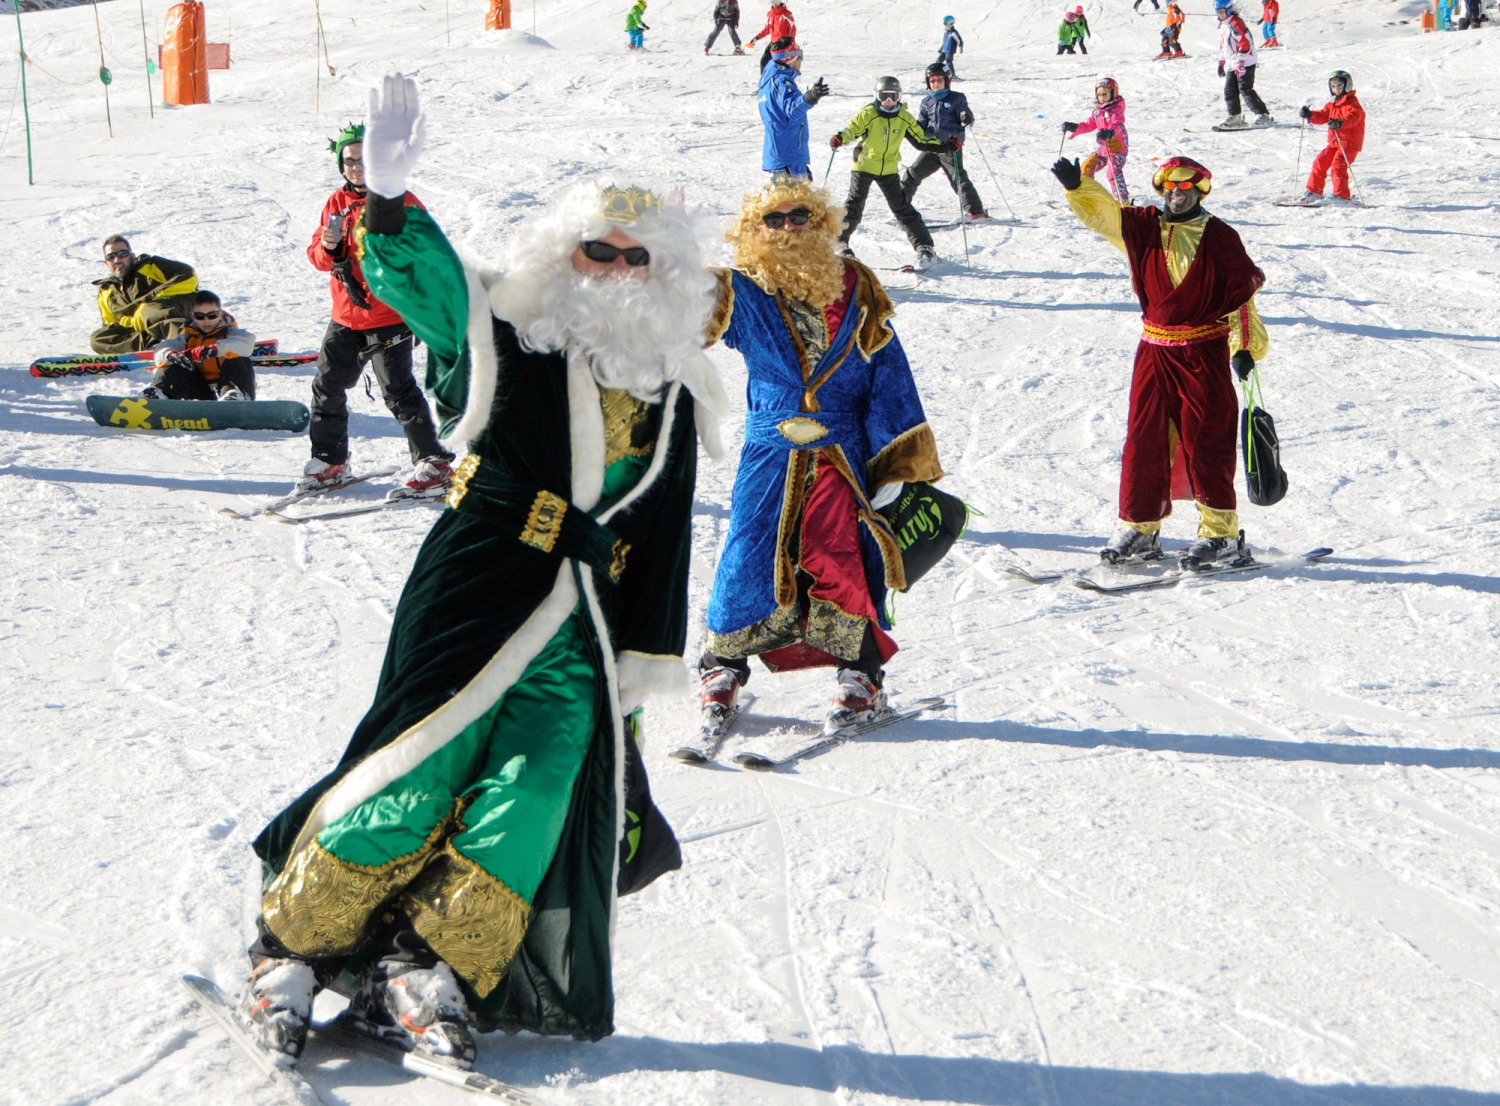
column 116, row 255
column 798, row 217
column 207, row 314
column 605, row 254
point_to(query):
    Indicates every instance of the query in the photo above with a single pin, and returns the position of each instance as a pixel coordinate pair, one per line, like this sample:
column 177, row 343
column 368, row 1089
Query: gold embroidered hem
column 468, row 917
column 783, row 626
column 320, row 905
column 629, row 425
column 834, row 630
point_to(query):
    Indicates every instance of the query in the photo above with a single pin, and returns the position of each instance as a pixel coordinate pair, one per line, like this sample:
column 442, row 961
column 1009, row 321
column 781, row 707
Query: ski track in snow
column 1230, row 844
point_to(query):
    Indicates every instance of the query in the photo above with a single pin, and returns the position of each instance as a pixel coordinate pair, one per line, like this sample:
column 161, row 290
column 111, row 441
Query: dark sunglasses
column 207, row 314
column 116, row 255
column 798, row 217
column 605, row 254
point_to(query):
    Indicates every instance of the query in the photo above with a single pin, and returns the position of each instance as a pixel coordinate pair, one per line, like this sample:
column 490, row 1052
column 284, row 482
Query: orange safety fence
column 185, row 55
column 498, row 17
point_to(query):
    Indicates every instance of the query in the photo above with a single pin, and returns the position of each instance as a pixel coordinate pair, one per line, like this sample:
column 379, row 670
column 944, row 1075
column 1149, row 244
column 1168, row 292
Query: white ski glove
column 395, row 131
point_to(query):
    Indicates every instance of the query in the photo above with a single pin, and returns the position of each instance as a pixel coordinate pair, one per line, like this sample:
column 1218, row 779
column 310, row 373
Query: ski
column 1222, row 129
column 760, row 762
column 350, row 1032
column 1049, row 576
column 212, row 1000
column 304, row 493
column 278, row 515
column 1174, row 577
column 266, row 355
column 711, row 736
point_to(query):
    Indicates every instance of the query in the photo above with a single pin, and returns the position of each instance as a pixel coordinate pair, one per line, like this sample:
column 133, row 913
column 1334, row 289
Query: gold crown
column 626, row 205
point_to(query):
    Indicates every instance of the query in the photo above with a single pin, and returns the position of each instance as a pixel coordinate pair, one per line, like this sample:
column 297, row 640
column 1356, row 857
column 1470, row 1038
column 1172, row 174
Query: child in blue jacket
column 953, row 43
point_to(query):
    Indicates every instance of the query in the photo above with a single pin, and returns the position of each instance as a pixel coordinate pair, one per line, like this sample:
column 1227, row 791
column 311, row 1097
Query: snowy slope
column 1237, row 843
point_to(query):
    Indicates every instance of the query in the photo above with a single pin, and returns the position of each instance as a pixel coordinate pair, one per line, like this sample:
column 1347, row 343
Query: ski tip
column 755, row 762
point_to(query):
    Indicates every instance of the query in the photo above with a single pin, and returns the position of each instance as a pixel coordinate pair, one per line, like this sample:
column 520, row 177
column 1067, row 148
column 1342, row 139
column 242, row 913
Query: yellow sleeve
column 1098, row 211
column 1246, row 331
column 104, row 309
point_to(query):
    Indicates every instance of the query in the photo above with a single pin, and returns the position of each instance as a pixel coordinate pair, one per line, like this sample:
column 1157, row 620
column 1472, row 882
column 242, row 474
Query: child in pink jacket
column 1107, row 123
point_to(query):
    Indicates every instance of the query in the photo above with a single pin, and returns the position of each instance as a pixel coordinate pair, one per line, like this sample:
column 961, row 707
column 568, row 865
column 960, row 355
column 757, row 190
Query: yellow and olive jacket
column 880, row 146
column 149, row 279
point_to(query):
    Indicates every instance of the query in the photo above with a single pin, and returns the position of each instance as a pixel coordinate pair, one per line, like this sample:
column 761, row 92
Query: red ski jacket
column 780, row 23
column 1352, row 134
column 349, row 205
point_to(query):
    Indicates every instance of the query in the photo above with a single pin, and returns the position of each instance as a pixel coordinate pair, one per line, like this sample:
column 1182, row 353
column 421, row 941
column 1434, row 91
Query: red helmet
column 1182, row 169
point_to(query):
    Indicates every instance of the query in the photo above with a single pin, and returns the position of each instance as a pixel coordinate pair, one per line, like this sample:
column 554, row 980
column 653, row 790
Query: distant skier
column 1237, row 61
column 953, row 43
column 726, row 18
column 1196, row 287
column 636, row 26
column 944, row 115
column 880, row 127
column 1137, row 6
column 1083, row 26
column 1270, row 12
column 1107, row 123
column 1070, row 35
column 1171, row 34
column 1345, row 117
column 780, row 23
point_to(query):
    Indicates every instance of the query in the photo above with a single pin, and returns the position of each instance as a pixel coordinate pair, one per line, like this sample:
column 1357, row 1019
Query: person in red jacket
column 1270, row 12
column 363, row 331
column 780, row 23
column 1345, row 117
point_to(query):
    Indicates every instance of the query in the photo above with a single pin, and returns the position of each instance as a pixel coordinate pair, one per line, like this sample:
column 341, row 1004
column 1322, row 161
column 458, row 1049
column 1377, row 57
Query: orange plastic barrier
column 185, row 55
column 218, row 56
column 1428, row 22
column 498, row 17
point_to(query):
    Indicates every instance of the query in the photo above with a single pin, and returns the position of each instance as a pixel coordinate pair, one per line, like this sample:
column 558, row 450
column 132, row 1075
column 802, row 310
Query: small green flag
column 105, row 75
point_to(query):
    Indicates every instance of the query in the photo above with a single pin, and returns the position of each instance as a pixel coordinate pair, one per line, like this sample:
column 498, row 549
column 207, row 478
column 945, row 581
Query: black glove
column 182, row 361
column 836, row 141
column 1305, row 112
column 198, row 353
column 966, row 118
column 1335, row 124
column 1068, row 172
column 815, row 93
column 1106, row 134
column 1069, row 128
column 1242, row 364
column 1221, row 68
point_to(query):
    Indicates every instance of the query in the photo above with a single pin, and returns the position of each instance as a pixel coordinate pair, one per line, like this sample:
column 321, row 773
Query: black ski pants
column 890, row 186
column 722, row 25
column 1242, row 84
column 178, row 381
column 952, row 164
column 341, row 360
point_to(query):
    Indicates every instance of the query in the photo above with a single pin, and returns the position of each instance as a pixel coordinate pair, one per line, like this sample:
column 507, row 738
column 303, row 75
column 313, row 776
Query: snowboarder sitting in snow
column 1196, row 286
column 143, row 300
column 210, row 359
column 944, row 115
column 636, row 27
column 880, row 127
column 726, row 18
column 953, row 43
column 1237, row 62
column 1345, row 117
column 1069, row 35
column 1107, row 123
column 1171, row 34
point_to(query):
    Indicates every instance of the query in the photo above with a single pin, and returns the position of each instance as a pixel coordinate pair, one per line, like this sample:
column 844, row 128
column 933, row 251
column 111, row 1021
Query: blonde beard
column 800, row 264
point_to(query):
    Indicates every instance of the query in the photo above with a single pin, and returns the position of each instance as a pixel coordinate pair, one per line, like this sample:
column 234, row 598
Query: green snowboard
column 136, row 413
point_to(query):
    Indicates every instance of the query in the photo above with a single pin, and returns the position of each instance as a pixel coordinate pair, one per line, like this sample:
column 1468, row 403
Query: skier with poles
column 945, row 116
column 1345, row 118
column 1107, row 123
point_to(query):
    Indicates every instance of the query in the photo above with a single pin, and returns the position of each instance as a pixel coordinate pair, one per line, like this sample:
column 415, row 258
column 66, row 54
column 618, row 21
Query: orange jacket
column 1175, row 18
column 229, row 340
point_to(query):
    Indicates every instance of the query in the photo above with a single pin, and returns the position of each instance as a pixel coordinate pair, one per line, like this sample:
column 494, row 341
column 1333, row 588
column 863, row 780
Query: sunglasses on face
column 200, row 315
column 348, row 161
column 1182, row 185
column 605, row 254
column 798, row 217
column 116, row 255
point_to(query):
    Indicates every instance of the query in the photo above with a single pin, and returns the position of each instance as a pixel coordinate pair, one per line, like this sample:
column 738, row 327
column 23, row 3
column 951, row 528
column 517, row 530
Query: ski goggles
column 798, row 217
column 605, row 254
column 1181, row 185
column 888, row 97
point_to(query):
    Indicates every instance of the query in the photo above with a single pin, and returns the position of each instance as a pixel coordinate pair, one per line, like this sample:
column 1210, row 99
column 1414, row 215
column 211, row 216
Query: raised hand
column 395, row 132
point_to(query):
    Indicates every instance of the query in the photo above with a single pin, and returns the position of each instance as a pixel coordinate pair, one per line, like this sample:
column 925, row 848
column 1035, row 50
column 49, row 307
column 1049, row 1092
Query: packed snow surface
column 1234, row 843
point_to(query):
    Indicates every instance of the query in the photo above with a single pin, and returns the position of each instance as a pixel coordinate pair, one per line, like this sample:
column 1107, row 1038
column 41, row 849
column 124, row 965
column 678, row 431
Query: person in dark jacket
column 726, row 17
column 143, row 300
column 363, row 332
column 783, row 111
column 465, row 856
column 944, row 115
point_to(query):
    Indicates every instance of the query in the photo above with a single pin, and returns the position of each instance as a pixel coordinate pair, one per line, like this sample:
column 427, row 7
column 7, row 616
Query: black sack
column 1265, row 479
column 926, row 522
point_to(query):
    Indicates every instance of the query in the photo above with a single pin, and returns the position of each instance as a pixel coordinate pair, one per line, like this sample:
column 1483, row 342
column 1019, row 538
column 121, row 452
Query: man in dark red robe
column 1196, row 286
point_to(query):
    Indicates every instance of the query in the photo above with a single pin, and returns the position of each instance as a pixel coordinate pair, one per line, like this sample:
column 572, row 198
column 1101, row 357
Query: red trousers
column 1187, row 387
column 1330, row 159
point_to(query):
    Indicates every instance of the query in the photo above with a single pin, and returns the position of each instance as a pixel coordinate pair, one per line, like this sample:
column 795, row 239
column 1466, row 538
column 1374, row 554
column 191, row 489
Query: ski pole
column 1349, row 169
column 958, row 188
column 1297, row 170
column 998, row 190
column 833, row 153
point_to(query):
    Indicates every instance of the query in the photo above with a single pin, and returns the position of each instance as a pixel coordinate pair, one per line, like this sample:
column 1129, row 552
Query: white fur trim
column 484, row 363
column 710, row 401
column 643, row 674
column 586, row 426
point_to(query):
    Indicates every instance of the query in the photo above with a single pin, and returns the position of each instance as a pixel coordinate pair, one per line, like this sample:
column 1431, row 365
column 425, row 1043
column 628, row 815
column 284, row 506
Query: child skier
column 944, row 115
column 1345, row 117
column 1107, row 123
column 1083, row 27
column 1069, row 35
column 953, row 43
column 1270, row 12
column 1171, row 34
column 880, row 127
column 635, row 26
column 726, row 18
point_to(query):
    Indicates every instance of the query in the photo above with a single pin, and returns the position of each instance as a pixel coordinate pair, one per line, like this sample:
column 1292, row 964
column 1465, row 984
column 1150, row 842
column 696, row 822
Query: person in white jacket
column 1237, row 61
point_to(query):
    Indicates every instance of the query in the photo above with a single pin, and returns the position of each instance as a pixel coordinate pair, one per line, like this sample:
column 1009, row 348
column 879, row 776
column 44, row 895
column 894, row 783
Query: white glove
column 886, row 494
column 394, row 134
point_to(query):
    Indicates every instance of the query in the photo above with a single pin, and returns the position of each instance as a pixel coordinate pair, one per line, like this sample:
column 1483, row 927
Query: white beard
column 634, row 333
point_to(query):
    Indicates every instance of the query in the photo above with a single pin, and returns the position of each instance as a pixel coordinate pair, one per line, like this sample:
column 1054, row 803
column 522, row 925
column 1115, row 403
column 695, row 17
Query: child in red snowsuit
column 1345, row 117
column 1270, row 12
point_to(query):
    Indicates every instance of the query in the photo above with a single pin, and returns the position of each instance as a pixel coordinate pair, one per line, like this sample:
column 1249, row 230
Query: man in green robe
column 462, row 860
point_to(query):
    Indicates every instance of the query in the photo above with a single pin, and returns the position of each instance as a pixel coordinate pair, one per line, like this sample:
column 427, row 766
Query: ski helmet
column 1078, row 10
column 947, row 21
column 1340, row 75
column 937, row 69
column 354, row 132
column 1069, row 17
column 887, row 85
column 1109, row 84
column 1182, row 169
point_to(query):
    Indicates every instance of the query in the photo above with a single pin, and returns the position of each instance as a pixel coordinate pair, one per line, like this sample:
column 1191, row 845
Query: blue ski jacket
column 784, row 113
column 942, row 118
